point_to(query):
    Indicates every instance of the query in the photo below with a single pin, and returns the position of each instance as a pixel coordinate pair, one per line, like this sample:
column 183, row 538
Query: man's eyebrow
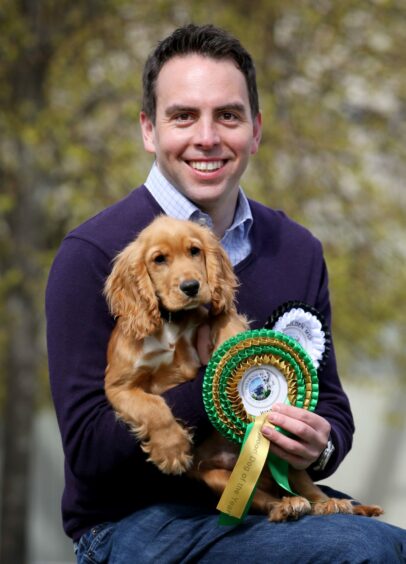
column 179, row 108
column 236, row 107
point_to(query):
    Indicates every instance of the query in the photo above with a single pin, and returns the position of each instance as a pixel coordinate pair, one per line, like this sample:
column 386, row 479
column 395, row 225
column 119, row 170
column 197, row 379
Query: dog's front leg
column 324, row 505
column 166, row 442
column 321, row 504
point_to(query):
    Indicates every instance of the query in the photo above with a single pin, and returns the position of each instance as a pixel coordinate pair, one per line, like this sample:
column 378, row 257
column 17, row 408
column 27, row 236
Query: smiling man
column 201, row 120
column 203, row 132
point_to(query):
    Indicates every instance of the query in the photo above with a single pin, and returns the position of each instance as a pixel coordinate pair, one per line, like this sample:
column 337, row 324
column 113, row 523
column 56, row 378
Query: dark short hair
column 206, row 40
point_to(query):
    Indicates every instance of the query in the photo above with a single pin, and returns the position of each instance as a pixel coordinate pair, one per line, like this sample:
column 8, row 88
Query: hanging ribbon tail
column 236, row 500
column 229, row 520
column 280, row 472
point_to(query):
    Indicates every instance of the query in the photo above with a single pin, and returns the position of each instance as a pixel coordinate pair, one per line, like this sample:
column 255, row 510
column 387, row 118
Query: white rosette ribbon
column 306, row 329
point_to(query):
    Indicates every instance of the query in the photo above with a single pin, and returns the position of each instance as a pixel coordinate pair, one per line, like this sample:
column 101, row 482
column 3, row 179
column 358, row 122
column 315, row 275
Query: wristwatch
column 325, row 456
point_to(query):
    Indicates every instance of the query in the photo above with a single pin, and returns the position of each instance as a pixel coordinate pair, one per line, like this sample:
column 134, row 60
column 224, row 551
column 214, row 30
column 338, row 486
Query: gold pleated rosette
column 246, row 376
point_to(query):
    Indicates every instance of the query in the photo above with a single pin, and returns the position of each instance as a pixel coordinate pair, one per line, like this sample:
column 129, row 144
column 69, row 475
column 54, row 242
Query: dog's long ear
column 220, row 275
column 130, row 294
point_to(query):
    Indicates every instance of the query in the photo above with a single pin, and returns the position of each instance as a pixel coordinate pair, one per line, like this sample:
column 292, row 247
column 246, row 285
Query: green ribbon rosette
column 246, row 375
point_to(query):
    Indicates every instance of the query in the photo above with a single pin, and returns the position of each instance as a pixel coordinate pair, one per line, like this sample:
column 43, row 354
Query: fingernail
column 267, row 428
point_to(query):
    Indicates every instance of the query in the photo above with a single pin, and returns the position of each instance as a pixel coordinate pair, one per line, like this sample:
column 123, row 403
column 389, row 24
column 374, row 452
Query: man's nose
column 206, row 134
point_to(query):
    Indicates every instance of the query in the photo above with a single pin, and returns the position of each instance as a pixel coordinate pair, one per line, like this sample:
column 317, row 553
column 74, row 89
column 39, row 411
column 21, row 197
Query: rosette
column 306, row 325
column 245, row 377
column 249, row 373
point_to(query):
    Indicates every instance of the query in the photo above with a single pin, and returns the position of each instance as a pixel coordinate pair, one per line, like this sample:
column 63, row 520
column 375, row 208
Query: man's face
column 204, row 132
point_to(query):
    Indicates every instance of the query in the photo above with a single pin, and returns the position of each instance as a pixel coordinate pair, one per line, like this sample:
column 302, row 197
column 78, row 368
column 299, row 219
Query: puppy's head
column 174, row 255
column 173, row 264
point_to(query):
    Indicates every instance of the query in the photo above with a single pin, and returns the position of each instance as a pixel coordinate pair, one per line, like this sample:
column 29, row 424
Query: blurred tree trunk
column 26, row 228
column 19, row 413
column 32, row 33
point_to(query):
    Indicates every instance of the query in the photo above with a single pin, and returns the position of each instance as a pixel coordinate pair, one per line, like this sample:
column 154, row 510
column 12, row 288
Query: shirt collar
column 177, row 205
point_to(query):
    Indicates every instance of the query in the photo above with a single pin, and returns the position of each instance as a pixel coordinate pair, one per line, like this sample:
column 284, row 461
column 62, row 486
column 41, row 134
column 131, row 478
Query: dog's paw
column 332, row 505
column 169, row 449
column 289, row 508
column 368, row 510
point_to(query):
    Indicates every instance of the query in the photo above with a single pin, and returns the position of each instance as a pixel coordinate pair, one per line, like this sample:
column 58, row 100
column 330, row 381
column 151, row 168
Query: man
column 201, row 119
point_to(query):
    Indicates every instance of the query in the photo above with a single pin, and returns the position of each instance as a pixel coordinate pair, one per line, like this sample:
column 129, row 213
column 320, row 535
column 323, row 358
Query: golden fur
column 148, row 355
column 157, row 289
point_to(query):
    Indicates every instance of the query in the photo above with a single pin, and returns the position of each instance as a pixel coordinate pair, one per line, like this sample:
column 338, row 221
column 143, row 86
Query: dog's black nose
column 190, row 287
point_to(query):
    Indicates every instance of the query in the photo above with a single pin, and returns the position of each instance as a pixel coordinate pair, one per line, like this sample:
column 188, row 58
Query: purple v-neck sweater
column 106, row 473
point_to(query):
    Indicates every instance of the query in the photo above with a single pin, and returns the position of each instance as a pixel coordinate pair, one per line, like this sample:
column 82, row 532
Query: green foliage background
column 332, row 87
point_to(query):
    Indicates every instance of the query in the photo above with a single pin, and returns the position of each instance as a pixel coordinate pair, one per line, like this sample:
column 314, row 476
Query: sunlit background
column 333, row 96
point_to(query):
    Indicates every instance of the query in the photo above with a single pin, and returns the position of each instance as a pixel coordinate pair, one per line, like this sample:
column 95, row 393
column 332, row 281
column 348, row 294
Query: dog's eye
column 159, row 259
column 194, row 251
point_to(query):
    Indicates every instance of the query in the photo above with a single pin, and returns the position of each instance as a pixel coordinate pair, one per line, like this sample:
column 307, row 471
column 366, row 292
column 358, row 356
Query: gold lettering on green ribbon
column 246, row 472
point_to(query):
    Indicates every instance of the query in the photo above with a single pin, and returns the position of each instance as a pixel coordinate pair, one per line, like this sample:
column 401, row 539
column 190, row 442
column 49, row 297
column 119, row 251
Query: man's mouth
column 207, row 166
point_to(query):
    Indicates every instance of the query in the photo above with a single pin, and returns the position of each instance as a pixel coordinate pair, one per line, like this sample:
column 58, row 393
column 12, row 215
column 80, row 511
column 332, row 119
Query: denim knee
column 359, row 540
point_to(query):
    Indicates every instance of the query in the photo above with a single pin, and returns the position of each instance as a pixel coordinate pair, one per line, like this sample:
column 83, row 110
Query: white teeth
column 206, row 166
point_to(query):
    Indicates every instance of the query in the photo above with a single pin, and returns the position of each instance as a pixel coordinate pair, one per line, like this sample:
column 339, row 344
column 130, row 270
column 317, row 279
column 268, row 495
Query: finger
column 288, row 449
column 308, row 417
column 298, row 461
column 294, row 461
column 291, row 447
column 298, row 428
column 306, row 425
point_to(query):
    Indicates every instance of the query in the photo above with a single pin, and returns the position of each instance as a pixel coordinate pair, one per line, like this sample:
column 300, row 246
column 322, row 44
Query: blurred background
column 333, row 95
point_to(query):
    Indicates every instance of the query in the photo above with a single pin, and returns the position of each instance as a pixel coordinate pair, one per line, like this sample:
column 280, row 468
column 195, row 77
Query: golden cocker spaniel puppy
column 171, row 279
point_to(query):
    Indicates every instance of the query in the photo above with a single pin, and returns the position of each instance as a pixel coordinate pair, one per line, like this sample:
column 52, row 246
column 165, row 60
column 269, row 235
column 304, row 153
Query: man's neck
column 222, row 214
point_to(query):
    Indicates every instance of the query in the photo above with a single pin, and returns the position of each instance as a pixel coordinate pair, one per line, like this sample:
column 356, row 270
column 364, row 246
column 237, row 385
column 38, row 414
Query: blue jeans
column 174, row 534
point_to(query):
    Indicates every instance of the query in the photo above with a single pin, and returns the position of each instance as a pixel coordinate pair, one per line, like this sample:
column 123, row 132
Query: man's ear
column 148, row 133
column 257, row 133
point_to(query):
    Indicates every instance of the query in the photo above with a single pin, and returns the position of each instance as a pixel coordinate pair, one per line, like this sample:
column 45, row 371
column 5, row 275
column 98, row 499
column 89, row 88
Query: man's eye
column 228, row 116
column 183, row 117
column 159, row 259
column 195, row 251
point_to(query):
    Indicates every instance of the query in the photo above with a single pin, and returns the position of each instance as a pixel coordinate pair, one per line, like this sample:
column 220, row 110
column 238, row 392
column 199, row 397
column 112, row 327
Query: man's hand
column 309, row 435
